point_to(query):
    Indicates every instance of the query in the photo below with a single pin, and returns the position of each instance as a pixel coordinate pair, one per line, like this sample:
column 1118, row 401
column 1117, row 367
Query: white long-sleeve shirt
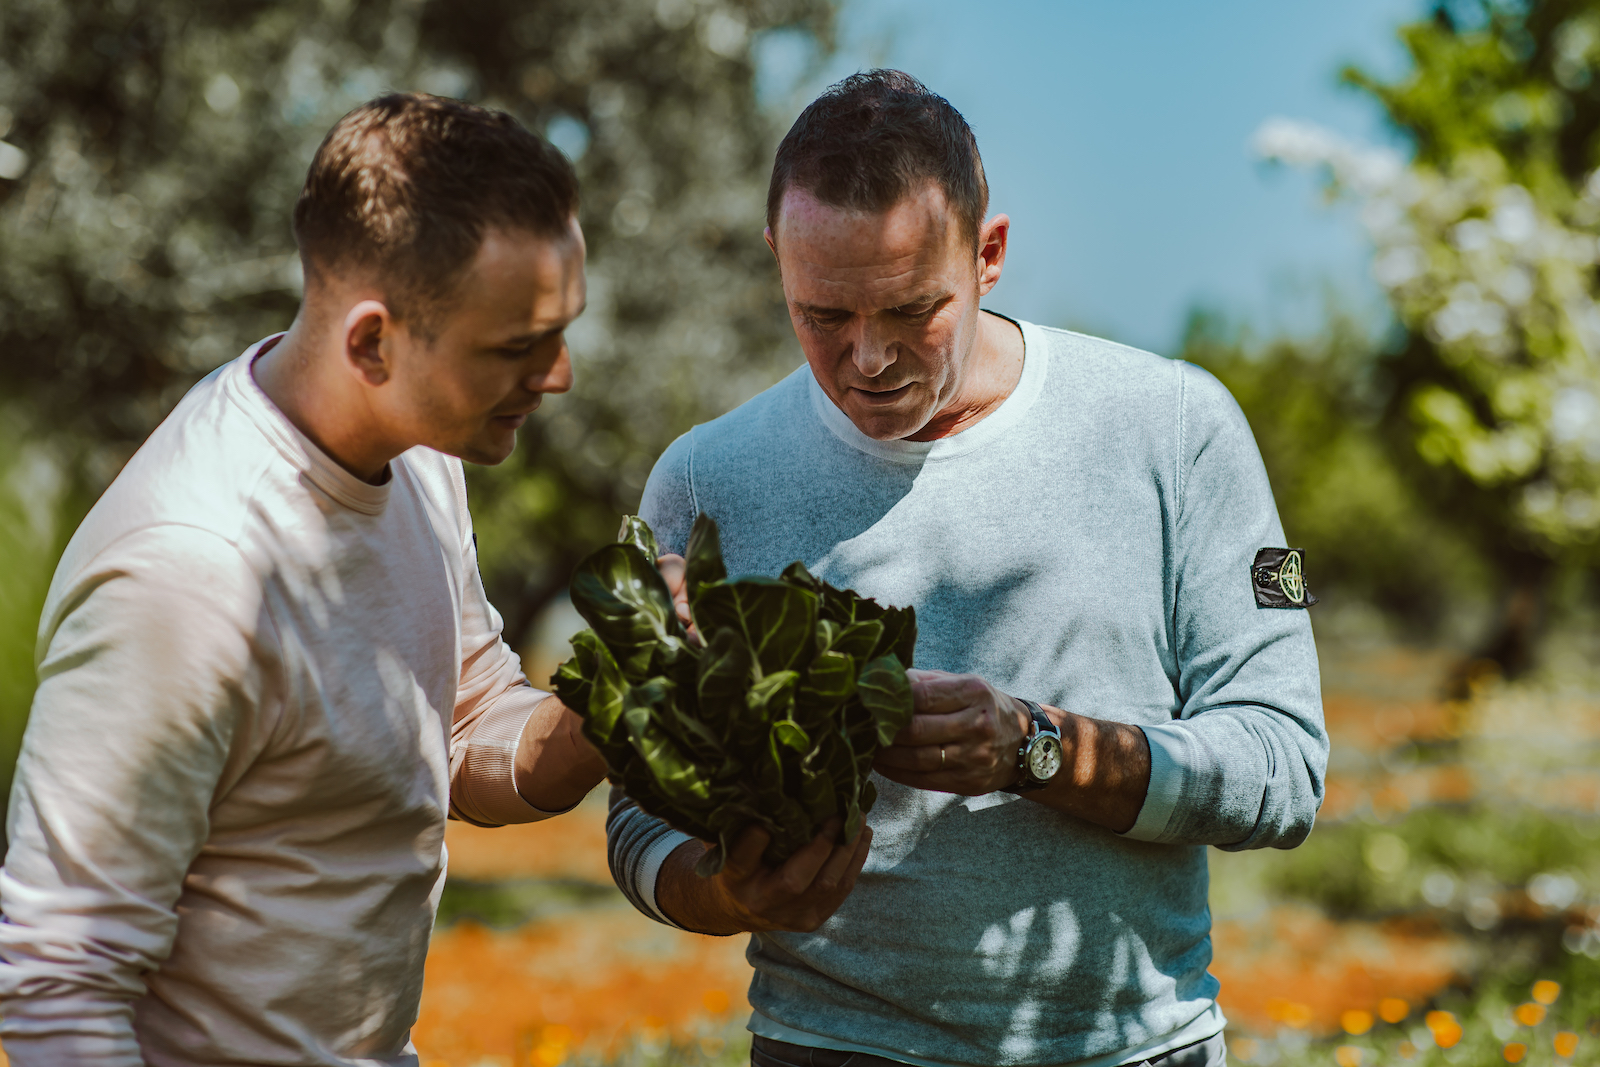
column 263, row 684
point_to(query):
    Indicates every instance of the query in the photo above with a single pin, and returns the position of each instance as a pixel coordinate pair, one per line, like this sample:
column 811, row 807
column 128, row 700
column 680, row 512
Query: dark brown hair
column 870, row 140
column 406, row 185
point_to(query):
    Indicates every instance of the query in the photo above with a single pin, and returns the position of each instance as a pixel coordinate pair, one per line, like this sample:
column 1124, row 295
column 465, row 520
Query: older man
column 1114, row 673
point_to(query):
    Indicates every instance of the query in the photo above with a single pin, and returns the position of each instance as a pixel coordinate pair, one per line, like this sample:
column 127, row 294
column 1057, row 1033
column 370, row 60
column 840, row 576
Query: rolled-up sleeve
column 493, row 700
column 1243, row 762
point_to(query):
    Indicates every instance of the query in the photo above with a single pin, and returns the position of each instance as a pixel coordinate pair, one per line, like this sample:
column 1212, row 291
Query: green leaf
column 618, row 590
column 703, row 564
column 725, row 670
column 830, row 681
column 673, row 774
column 860, row 640
column 607, row 698
column 776, row 620
column 636, row 532
column 886, row 693
column 788, row 732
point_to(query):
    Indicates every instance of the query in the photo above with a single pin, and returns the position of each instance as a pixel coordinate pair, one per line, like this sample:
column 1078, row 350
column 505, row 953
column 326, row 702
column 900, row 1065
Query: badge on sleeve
column 1279, row 576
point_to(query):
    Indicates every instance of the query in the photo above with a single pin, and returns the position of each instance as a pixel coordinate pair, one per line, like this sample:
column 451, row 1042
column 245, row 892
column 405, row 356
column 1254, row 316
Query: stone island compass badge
column 1279, row 576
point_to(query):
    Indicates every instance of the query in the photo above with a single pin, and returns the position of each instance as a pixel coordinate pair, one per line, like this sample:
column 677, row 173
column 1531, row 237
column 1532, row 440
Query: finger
column 673, row 571
column 844, row 861
column 969, row 724
column 800, row 869
column 745, row 855
column 947, row 693
column 908, row 758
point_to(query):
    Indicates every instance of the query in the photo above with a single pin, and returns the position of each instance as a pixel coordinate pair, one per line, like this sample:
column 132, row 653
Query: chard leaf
column 619, row 592
column 860, row 640
column 675, row 776
column 703, row 560
column 886, row 693
column 636, row 532
column 574, row 679
column 788, row 732
column 830, row 681
column 724, row 677
column 777, row 621
column 606, row 698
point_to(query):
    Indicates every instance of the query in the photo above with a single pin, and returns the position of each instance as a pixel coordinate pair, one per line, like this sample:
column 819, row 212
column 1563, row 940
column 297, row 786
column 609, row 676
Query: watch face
column 1044, row 758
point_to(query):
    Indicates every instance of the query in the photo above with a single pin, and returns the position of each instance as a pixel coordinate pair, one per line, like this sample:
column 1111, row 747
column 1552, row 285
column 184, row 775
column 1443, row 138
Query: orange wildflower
column 1529, row 1014
column 1446, row 1031
column 1546, row 991
column 1566, row 1043
column 1355, row 1021
column 1393, row 1009
column 1514, row 1051
column 1347, row 1056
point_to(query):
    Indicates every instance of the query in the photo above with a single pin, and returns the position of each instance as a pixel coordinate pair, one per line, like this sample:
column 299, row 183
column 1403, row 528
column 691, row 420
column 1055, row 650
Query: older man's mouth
column 880, row 396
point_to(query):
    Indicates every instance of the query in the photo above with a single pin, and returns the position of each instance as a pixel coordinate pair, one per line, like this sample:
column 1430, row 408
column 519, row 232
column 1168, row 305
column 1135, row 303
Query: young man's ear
column 367, row 326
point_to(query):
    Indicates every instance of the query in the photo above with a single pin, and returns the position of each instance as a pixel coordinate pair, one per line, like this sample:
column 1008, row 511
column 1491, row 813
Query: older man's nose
column 873, row 352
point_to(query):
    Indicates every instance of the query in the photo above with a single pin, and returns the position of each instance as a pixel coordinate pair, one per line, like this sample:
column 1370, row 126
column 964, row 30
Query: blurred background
column 1377, row 221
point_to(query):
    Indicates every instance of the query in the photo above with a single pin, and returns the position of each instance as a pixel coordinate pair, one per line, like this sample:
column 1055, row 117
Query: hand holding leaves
column 774, row 721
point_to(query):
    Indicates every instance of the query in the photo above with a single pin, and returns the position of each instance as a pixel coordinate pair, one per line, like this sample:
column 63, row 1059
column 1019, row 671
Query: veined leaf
column 703, row 560
column 620, row 593
column 886, row 692
column 777, row 621
column 790, row 733
column 673, row 774
column 636, row 532
column 724, row 677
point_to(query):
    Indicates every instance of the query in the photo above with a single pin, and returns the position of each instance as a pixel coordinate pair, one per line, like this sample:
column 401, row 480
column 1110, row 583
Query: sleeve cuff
column 650, row 870
column 1169, row 744
column 488, row 779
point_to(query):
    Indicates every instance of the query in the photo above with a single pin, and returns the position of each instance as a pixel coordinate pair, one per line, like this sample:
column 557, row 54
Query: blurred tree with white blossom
column 151, row 150
column 1486, row 243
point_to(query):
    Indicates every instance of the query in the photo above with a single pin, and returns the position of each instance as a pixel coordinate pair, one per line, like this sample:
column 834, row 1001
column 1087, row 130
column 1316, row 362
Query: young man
column 268, row 669
column 1113, row 686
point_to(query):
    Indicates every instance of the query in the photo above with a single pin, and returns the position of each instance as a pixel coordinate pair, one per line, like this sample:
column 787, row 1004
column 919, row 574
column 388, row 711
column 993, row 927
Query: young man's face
column 498, row 349
column 885, row 305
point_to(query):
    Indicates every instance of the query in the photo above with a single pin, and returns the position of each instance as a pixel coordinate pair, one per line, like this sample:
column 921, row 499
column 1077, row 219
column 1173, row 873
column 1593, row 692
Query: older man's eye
column 916, row 311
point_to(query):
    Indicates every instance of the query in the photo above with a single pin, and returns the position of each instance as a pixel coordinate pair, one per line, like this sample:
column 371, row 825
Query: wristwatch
column 1040, row 758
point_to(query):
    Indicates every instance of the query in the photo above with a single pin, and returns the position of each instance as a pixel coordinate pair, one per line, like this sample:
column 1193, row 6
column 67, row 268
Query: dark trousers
column 765, row 1052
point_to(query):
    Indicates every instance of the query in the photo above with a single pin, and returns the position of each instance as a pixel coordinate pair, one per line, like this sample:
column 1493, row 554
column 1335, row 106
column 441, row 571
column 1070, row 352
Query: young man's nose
column 557, row 379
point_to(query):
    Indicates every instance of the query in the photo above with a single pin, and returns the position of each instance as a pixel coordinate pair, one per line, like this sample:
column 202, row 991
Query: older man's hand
column 748, row 896
column 964, row 737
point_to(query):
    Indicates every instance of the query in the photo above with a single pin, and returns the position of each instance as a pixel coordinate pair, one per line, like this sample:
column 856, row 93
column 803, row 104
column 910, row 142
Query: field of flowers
column 1443, row 913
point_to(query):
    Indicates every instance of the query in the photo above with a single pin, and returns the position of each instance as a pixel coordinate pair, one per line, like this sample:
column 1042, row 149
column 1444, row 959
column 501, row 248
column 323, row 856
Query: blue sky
column 1115, row 135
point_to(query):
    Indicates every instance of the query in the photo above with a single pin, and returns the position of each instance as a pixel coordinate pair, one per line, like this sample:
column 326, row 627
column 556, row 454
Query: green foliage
column 1486, row 241
column 1317, row 416
column 773, row 721
column 38, row 510
column 153, row 150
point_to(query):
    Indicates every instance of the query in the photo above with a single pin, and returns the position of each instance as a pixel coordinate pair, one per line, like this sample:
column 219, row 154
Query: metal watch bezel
column 1042, row 728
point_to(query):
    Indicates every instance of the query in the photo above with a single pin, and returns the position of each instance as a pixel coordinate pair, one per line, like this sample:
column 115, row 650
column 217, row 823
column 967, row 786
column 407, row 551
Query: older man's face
column 885, row 305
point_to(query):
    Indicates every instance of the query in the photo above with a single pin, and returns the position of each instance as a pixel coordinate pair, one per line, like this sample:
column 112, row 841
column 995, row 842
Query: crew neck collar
column 1001, row 420
column 317, row 466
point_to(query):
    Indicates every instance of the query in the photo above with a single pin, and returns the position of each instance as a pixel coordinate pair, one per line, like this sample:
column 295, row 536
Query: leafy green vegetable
column 773, row 718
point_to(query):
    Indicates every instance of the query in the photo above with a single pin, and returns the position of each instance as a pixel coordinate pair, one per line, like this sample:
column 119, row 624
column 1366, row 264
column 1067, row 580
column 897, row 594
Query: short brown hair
column 870, row 140
column 406, row 186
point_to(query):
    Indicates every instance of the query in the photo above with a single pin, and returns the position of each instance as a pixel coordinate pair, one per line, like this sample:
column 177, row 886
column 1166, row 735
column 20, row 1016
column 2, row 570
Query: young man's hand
column 747, row 895
column 673, row 572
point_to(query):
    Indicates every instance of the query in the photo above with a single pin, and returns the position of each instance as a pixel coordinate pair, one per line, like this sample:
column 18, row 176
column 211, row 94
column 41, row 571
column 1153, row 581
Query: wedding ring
column 941, row 757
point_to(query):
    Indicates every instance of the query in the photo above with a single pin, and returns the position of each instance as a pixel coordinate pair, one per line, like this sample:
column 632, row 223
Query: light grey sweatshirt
column 1089, row 545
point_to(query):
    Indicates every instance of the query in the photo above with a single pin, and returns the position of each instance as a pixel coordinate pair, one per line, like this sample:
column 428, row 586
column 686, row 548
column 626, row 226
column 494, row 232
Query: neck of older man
column 994, row 367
